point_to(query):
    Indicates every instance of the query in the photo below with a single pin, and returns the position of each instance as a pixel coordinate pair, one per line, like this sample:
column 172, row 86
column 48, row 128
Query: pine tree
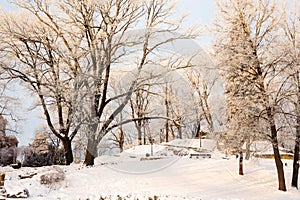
column 244, row 32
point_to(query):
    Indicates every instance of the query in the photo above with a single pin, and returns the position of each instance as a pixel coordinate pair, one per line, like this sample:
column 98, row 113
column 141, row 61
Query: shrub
column 53, row 156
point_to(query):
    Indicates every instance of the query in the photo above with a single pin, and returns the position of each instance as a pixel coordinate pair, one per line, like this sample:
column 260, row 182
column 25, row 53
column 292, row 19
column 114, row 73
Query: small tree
column 203, row 88
column 139, row 105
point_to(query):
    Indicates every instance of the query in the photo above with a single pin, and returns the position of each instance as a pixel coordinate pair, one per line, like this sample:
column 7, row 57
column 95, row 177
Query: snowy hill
column 168, row 176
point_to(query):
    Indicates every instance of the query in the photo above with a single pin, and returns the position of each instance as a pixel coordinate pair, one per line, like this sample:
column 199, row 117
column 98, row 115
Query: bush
column 53, row 156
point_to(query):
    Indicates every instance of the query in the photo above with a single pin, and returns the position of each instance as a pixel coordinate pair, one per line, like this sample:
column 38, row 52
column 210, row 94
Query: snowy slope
column 170, row 177
column 206, row 144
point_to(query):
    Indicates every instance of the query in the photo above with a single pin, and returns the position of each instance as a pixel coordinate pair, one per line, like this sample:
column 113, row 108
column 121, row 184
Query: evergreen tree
column 246, row 47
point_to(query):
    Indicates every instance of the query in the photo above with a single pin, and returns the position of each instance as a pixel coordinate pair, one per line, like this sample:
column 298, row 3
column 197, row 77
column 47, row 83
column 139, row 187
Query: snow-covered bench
column 203, row 155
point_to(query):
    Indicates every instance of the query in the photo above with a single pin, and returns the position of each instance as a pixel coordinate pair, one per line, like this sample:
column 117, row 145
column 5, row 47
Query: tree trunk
column 89, row 158
column 296, row 166
column 198, row 128
column 297, row 140
column 2, row 178
column 161, row 136
column 179, row 132
column 67, row 143
column 145, row 141
column 296, row 156
column 167, row 113
column 248, row 152
column 279, row 166
column 278, row 162
column 241, row 171
column 121, row 141
column 172, row 132
column 275, row 145
column 91, row 152
column 139, row 129
column 167, row 131
column 2, row 188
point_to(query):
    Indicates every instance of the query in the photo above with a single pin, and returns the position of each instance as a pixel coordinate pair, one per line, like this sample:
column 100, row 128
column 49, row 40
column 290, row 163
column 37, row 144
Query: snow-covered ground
column 167, row 176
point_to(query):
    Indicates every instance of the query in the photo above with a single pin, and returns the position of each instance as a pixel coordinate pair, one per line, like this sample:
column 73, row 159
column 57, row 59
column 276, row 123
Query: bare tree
column 67, row 50
column 118, row 136
column 8, row 104
column 203, row 90
column 139, row 104
column 113, row 44
column 30, row 53
column 291, row 27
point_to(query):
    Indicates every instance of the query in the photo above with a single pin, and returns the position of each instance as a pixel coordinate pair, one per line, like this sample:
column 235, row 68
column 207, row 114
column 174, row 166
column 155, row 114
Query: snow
column 206, row 144
column 167, row 177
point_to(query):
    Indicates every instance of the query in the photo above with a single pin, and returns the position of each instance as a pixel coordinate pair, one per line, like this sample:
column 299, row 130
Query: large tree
column 291, row 45
column 119, row 17
column 246, row 44
column 65, row 51
column 37, row 55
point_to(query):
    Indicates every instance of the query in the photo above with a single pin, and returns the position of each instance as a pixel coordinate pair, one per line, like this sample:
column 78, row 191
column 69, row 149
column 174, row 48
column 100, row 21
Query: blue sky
column 201, row 11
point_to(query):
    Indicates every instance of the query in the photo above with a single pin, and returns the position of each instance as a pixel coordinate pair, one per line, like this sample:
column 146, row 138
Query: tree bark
column 295, row 166
column 167, row 113
column 121, row 141
column 91, row 152
column 297, row 139
column 278, row 162
column 144, row 127
column 296, row 156
column 241, row 171
column 248, row 152
column 274, row 140
column 279, row 166
column 139, row 128
column 67, row 143
column 2, row 188
column 167, row 131
column 89, row 158
column 179, row 132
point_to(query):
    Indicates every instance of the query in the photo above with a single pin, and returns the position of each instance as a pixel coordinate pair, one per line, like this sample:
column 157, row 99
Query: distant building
column 8, row 145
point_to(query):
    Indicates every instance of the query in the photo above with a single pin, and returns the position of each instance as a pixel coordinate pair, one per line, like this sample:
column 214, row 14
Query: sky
column 200, row 11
